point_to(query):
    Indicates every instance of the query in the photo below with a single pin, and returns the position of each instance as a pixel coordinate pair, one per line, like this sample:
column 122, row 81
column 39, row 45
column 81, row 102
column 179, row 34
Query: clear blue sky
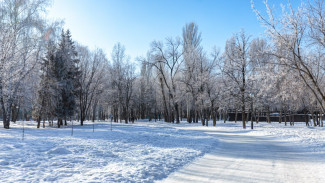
column 136, row 23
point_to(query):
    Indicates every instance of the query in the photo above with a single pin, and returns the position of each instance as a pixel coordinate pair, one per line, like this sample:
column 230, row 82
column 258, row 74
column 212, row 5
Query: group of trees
column 21, row 46
column 48, row 75
column 44, row 74
column 59, row 82
column 282, row 72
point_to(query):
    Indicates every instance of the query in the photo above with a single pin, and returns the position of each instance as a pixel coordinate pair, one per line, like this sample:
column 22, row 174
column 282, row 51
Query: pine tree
column 73, row 75
column 66, row 74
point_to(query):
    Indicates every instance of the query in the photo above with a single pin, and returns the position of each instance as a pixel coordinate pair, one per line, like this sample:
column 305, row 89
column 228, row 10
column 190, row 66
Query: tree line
column 46, row 75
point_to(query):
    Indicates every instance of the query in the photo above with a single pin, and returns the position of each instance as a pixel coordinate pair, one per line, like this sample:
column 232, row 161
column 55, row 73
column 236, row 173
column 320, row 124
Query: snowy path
column 241, row 157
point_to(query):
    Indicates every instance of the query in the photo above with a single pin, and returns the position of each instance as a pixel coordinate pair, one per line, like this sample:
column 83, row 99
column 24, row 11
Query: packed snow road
column 242, row 156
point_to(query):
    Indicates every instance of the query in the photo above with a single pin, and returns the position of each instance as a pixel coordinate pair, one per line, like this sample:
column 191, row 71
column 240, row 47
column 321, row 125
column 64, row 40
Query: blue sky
column 136, row 23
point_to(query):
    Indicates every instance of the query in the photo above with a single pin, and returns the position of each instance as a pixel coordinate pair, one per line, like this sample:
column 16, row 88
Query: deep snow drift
column 140, row 152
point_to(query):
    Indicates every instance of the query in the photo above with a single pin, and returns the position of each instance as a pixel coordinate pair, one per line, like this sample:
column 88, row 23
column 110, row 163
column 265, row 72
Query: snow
column 163, row 152
column 269, row 153
column 140, row 152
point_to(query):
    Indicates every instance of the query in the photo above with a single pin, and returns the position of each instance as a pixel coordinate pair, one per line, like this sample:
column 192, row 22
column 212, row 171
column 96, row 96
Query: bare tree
column 167, row 62
column 122, row 78
column 237, row 66
column 93, row 66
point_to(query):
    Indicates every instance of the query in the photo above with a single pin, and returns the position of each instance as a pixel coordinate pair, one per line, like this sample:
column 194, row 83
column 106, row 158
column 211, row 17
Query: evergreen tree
column 67, row 74
column 64, row 73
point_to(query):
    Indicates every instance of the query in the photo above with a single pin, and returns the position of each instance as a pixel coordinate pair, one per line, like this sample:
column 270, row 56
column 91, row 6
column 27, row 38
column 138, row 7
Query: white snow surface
column 269, row 153
column 140, row 152
column 163, row 152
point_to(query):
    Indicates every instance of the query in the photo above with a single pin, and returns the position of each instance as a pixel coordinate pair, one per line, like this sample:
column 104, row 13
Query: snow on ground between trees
column 140, row 152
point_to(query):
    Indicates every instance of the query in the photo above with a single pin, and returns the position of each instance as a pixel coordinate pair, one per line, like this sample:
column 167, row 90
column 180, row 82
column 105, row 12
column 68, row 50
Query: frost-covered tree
column 149, row 98
column 192, row 57
column 21, row 33
column 237, row 67
column 93, row 66
column 167, row 61
column 296, row 34
column 122, row 78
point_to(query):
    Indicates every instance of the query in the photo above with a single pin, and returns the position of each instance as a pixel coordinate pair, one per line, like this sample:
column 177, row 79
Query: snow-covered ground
column 311, row 138
column 270, row 153
column 149, row 151
column 139, row 152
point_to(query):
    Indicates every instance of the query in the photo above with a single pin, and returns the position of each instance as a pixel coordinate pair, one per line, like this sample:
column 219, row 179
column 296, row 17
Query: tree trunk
column 166, row 116
column 196, row 116
column 38, row 122
column 318, row 119
column 82, row 118
column 214, row 117
column 59, row 122
column 243, row 95
column 252, row 124
column 243, row 110
column 6, row 120
column 268, row 114
column 14, row 113
column 177, row 113
column 207, row 117
column 202, row 118
column 236, row 115
column 285, row 118
column 188, row 110
column 126, row 115
column 243, row 117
